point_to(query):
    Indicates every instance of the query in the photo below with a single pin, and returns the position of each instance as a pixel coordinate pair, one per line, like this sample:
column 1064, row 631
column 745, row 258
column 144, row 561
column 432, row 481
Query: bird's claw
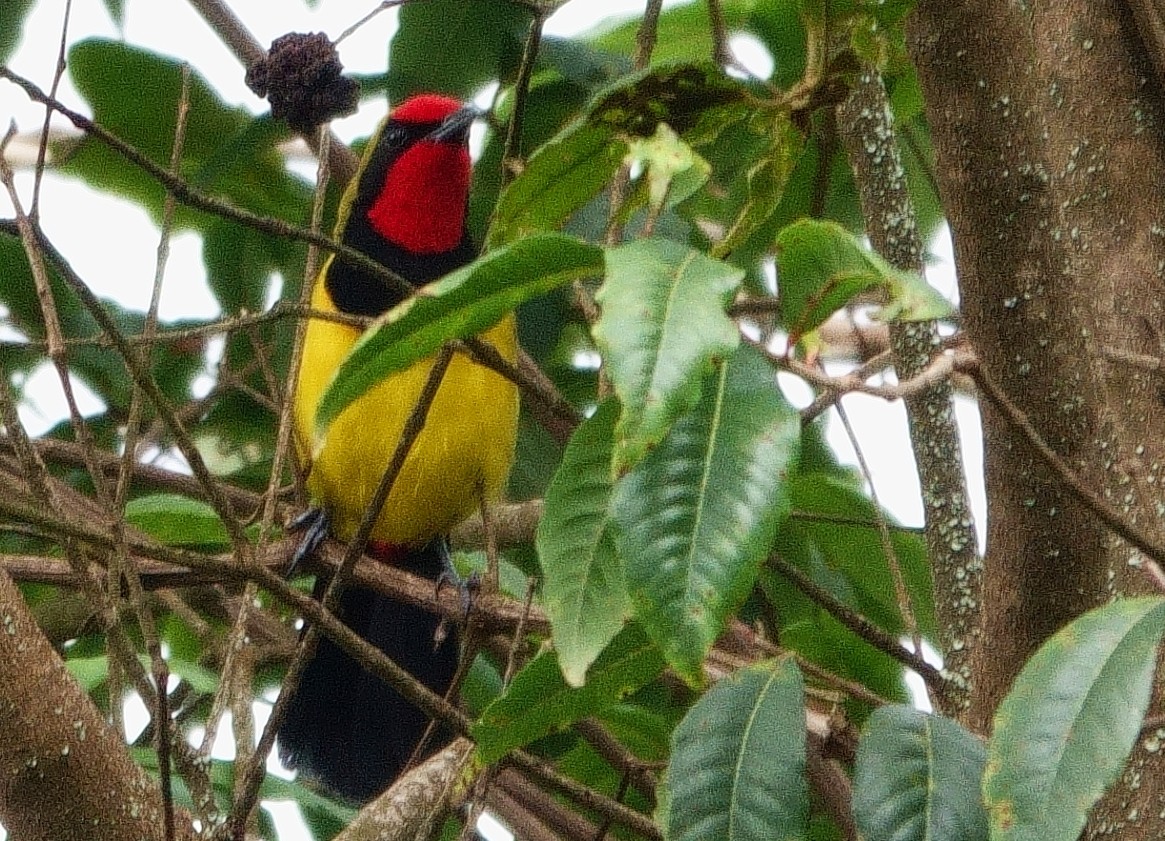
column 316, row 525
column 466, row 587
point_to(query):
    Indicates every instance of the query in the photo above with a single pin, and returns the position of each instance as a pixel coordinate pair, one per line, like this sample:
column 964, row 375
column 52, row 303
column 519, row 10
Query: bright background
column 112, row 243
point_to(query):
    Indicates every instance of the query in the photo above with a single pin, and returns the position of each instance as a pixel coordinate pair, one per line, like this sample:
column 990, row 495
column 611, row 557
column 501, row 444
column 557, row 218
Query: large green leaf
column 662, row 327
column 697, row 516
column 582, row 580
column 737, row 768
column 539, row 702
column 821, row 267
column 135, row 95
column 1063, row 732
column 457, row 306
column 917, row 779
column 455, row 47
column 559, row 179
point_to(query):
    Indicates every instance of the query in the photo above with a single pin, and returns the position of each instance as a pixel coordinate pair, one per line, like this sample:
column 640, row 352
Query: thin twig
column 857, row 623
column 192, row 197
column 513, row 146
column 144, row 377
column 901, row 591
column 43, row 146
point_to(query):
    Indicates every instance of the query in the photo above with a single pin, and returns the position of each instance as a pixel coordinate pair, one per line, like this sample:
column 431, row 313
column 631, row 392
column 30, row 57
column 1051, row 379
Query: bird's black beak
column 455, row 127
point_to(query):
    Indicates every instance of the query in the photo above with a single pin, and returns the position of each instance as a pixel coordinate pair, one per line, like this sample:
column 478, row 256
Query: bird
column 346, row 729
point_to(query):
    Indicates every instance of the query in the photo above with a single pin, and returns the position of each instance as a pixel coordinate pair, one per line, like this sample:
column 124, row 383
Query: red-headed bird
column 406, row 209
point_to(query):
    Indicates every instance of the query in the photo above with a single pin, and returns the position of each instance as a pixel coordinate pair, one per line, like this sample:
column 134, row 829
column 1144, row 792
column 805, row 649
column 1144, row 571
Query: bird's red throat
column 422, row 205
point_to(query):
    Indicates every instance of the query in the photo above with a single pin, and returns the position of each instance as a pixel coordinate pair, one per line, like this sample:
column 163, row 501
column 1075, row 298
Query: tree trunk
column 1048, row 137
column 64, row 774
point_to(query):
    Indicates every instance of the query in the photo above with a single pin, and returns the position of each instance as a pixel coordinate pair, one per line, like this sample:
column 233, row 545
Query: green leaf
column 12, row 15
column 820, row 267
column 457, row 306
column 89, row 672
column 116, row 9
column 1062, row 734
column 697, row 516
column 684, row 32
column 201, row 679
column 917, row 779
column 913, row 299
column 450, row 46
column 226, row 151
column 766, row 183
column 663, row 326
column 582, row 580
column 238, row 266
column 737, row 768
column 558, row 179
column 674, row 170
column 832, row 535
column 680, row 95
column 539, row 702
column 177, row 520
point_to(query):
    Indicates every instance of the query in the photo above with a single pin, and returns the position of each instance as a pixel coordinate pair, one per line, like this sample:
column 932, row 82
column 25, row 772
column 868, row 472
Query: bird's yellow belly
column 461, row 457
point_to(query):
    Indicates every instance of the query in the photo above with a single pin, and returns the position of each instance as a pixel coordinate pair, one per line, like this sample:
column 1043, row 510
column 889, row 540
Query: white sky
column 89, row 227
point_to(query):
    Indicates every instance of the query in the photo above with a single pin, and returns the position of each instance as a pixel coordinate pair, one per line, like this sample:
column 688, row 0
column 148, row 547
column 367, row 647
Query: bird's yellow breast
column 461, row 457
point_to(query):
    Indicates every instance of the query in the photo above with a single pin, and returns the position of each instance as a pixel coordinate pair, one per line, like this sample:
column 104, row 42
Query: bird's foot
column 466, row 587
column 316, row 525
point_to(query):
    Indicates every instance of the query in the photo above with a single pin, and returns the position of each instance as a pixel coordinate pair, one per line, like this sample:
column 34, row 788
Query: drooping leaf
column 582, row 587
column 1063, row 732
column 917, row 779
column 662, row 327
column 697, row 516
column 538, row 701
column 766, row 183
column 821, row 267
column 559, row 179
column 738, row 760
column 459, row 305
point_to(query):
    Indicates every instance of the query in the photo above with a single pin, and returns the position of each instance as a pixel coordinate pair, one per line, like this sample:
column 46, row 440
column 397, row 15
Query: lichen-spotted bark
column 1047, row 132
column 64, row 774
column 867, row 131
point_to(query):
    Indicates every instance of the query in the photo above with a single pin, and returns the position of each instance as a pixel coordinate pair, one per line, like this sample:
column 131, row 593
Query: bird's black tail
column 346, row 728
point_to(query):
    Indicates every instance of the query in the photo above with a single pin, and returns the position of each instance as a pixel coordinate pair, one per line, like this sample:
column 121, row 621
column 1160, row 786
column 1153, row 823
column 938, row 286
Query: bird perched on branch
column 406, row 210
